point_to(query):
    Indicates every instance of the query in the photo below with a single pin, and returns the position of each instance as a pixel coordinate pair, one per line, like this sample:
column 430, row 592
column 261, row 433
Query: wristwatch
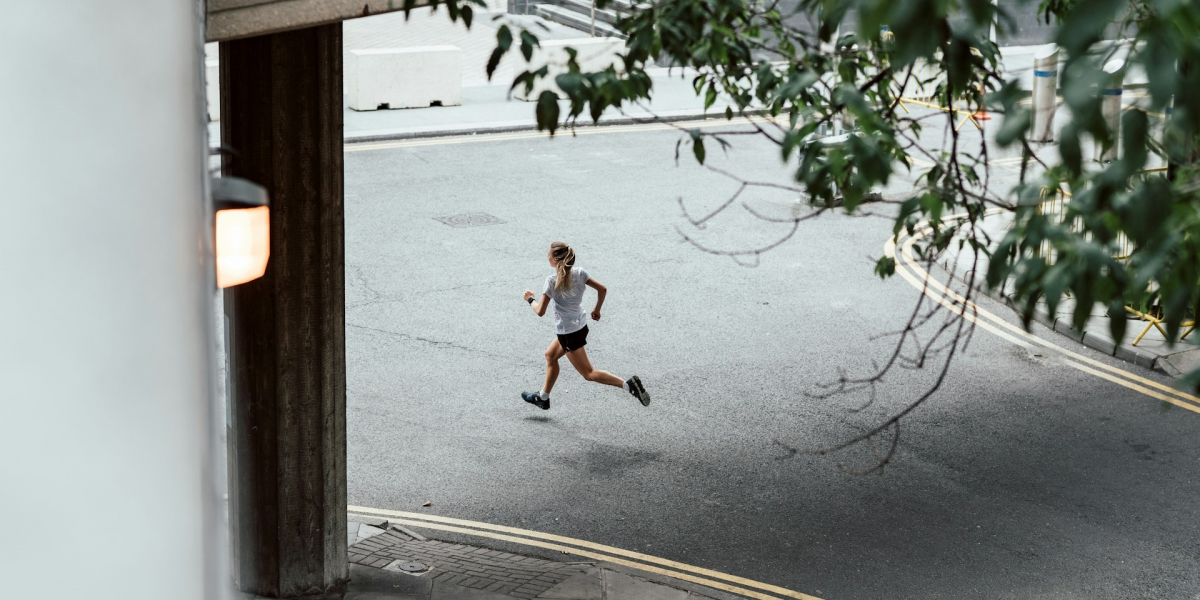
column 529, row 300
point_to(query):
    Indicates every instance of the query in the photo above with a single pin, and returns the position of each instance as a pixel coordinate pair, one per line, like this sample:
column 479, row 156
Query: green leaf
column 528, row 42
column 885, row 267
column 503, row 43
column 1134, row 129
column 697, row 144
column 547, row 111
column 1014, row 127
column 1069, row 147
column 570, row 83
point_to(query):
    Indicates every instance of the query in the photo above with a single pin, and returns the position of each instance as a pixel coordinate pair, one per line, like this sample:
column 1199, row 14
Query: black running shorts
column 573, row 341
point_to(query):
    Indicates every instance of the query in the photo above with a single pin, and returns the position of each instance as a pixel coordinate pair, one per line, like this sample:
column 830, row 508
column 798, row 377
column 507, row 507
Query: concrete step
column 584, row 8
column 624, row 6
column 574, row 20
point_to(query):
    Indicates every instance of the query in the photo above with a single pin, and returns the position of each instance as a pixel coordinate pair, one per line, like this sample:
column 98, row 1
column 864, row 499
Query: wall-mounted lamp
column 243, row 230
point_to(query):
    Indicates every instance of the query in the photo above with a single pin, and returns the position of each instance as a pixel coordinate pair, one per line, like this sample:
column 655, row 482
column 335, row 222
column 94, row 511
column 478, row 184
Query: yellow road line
column 1133, row 386
column 970, row 311
column 610, row 553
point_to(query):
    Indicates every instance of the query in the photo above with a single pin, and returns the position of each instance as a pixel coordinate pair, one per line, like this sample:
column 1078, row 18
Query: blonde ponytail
column 566, row 259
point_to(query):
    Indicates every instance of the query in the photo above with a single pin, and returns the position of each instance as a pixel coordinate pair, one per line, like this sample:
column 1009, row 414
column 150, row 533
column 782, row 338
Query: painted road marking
column 549, row 541
column 922, row 280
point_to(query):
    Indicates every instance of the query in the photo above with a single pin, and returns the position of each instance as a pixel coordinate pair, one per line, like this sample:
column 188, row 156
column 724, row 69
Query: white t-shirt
column 568, row 304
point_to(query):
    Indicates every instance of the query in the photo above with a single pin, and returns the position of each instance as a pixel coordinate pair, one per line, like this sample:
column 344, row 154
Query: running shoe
column 536, row 399
column 638, row 391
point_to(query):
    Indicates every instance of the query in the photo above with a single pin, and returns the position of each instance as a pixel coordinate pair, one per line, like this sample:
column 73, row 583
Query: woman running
column 565, row 288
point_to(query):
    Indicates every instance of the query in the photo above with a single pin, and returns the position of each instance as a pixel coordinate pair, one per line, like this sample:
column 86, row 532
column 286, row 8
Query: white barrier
column 418, row 77
column 1045, row 92
column 593, row 54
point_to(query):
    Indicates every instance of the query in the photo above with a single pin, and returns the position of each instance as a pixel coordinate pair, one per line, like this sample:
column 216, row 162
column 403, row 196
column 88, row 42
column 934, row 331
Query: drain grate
column 470, row 220
column 405, row 566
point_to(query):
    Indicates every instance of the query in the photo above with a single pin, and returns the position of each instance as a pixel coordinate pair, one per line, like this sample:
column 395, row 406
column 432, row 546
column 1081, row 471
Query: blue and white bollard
column 1045, row 92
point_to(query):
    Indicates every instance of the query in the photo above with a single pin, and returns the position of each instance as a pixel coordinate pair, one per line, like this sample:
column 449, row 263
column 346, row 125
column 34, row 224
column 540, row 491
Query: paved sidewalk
column 486, row 106
column 390, row 562
column 1152, row 352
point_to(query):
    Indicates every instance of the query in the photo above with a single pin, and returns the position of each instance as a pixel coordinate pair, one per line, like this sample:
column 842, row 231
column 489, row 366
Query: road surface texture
column 1021, row 478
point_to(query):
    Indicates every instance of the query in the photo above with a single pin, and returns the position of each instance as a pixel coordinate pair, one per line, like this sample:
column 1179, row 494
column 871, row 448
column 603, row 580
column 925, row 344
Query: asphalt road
column 1021, row 478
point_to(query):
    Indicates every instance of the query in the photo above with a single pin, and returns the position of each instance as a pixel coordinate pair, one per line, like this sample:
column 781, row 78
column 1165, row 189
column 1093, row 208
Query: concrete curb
column 467, row 129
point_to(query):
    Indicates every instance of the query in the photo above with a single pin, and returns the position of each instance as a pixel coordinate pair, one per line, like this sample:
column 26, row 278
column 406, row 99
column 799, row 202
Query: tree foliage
column 853, row 61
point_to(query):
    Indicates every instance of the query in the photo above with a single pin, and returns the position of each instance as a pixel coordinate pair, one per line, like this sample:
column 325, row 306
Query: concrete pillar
column 1045, row 92
column 281, row 112
column 1111, row 108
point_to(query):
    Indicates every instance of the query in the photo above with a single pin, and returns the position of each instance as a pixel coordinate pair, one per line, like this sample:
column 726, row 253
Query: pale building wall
column 106, row 311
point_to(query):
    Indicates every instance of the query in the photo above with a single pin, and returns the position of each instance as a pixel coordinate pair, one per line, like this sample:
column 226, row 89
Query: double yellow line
column 910, row 269
column 627, row 558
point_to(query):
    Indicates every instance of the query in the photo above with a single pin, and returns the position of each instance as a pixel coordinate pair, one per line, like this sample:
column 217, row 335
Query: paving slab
column 367, row 531
column 449, row 591
column 367, row 583
column 1181, row 363
column 619, row 586
column 584, row 586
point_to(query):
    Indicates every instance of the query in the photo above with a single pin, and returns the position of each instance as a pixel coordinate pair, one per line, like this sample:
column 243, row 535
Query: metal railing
column 1055, row 205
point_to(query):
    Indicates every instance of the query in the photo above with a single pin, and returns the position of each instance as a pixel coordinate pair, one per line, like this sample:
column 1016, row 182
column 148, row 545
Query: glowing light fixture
column 243, row 230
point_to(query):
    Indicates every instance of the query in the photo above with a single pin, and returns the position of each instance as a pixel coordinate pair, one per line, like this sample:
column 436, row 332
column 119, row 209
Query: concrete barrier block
column 593, row 54
column 417, row 77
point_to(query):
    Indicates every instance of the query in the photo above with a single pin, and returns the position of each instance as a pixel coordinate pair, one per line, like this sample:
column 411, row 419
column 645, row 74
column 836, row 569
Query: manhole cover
column 470, row 220
column 406, row 566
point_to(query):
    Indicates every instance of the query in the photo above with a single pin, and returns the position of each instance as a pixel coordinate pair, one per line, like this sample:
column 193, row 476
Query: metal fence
column 1055, row 205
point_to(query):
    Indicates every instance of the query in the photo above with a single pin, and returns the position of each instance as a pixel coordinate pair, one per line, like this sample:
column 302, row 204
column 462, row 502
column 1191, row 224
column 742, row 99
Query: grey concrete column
column 281, row 112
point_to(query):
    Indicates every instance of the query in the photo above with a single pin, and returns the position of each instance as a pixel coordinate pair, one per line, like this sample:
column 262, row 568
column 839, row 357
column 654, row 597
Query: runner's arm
column 600, row 292
column 539, row 308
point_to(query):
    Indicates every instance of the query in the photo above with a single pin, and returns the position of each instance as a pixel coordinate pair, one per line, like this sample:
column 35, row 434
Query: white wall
column 105, row 302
